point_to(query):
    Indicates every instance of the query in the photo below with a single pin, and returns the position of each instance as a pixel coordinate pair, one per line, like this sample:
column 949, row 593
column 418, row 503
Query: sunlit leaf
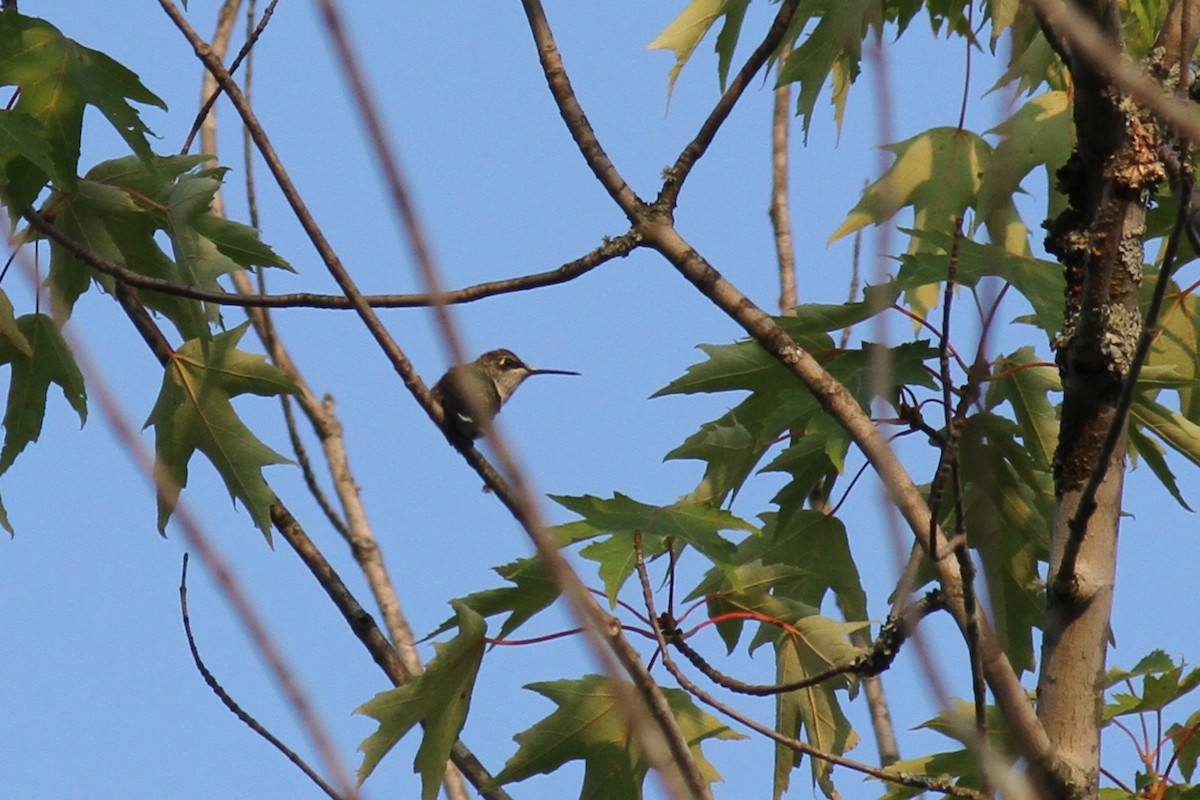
column 937, row 173
column 1039, row 134
column 832, row 48
column 688, row 29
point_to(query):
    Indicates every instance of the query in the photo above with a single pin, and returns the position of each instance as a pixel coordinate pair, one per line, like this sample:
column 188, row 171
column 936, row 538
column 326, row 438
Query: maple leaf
column 121, row 210
column 592, row 726
column 39, row 357
column 193, row 412
column 623, row 518
column 59, row 78
column 439, row 699
column 531, row 591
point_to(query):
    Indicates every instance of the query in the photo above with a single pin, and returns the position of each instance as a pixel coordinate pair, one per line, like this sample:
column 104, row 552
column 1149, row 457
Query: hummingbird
column 471, row 394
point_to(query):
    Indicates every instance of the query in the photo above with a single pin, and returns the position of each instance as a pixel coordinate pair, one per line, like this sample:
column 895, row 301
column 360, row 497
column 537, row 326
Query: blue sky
column 100, row 697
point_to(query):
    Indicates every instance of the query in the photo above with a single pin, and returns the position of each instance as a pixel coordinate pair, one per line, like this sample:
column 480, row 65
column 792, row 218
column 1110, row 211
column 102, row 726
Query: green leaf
column 23, row 136
column 621, row 518
column 1041, row 283
column 532, row 590
column 732, row 445
column 439, row 699
column 1025, row 381
column 818, row 545
column 122, row 208
column 832, row 48
column 1187, row 744
column 591, row 725
column 59, row 78
column 1142, row 446
column 1008, row 506
column 957, row 767
column 747, row 589
column 1178, row 345
column 48, row 360
column 194, row 412
column 1171, row 427
column 1163, row 682
column 812, row 714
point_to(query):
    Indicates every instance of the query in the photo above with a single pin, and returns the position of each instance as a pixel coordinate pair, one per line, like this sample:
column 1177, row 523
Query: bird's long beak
column 535, row 371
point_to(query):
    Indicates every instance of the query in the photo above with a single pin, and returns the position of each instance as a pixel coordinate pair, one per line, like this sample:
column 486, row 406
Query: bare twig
column 211, row 90
column 610, row 249
column 875, row 658
column 232, row 704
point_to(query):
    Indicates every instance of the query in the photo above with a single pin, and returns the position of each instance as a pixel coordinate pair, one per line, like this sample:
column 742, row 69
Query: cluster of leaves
column 777, row 574
column 802, row 554
column 118, row 211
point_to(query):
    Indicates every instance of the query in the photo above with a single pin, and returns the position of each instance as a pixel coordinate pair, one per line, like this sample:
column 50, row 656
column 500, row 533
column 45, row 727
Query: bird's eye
column 508, row 363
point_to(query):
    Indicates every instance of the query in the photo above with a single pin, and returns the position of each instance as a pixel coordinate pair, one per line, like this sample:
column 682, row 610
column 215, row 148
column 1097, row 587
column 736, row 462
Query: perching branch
column 646, row 708
column 660, row 234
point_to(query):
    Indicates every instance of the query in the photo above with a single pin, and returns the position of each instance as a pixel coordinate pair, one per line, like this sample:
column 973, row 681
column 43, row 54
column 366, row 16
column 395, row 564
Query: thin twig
column 944, row 784
column 215, row 92
column 876, row 658
column 232, row 704
column 668, row 196
column 612, row 248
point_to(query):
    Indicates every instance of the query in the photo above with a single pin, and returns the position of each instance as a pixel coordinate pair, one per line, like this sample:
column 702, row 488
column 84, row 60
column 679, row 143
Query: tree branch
column 837, row 401
column 619, row 246
column 572, row 113
column 658, row 734
column 668, row 196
